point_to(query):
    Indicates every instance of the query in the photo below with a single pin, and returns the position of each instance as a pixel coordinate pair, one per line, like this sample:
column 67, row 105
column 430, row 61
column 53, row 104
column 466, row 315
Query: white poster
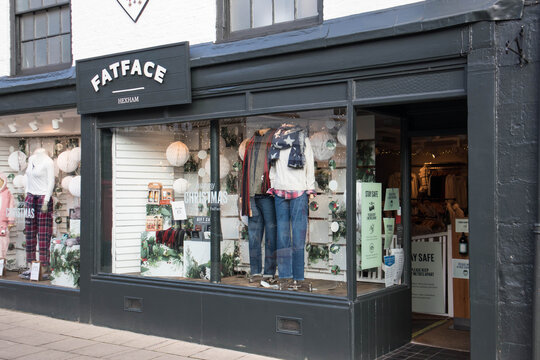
column 462, row 226
column 460, row 268
column 2, row 262
column 34, row 271
column 389, row 270
column 179, row 210
column 427, row 277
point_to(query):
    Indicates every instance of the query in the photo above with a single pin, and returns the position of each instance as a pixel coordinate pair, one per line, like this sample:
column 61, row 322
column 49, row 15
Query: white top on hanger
column 40, row 174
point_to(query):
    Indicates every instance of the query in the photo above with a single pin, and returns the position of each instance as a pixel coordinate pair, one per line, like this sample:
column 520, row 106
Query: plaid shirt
column 289, row 194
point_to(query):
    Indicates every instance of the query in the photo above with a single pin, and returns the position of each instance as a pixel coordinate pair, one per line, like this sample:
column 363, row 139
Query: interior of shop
column 40, row 154
column 439, row 222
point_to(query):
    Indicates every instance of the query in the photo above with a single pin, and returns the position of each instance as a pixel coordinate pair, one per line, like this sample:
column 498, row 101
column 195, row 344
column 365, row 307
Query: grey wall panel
column 302, row 95
column 38, row 100
column 382, row 323
column 166, row 312
column 250, row 325
column 445, row 83
column 435, row 45
column 38, row 299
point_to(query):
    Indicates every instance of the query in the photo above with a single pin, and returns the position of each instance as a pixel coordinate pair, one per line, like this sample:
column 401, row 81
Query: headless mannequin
column 39, row 188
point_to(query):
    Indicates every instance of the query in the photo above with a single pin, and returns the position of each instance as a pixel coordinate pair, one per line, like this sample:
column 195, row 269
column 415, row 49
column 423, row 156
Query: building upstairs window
column 240, row 19
column 43, row 35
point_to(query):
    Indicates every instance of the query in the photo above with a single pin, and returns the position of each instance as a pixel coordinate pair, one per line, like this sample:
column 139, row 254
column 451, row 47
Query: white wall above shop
column 5, row 42
column 101, row 28
column 42, row 122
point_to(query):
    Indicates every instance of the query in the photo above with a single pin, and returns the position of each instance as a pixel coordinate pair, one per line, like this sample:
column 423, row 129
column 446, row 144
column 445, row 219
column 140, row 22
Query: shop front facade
column 261, row 199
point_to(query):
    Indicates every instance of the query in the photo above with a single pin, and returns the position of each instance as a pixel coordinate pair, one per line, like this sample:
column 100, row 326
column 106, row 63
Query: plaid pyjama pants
column 39, row 226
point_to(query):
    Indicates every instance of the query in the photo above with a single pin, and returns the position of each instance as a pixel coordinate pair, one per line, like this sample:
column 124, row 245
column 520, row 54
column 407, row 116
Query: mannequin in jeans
column 258, row 205
column 292, row 178
column 39, row 205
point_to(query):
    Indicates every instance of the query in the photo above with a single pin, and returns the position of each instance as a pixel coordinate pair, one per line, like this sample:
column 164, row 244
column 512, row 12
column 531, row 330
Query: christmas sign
column 133, row 8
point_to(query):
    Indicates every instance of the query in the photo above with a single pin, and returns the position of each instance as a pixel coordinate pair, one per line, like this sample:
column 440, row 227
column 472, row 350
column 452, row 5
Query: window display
column 280, row 198
column 40, row 197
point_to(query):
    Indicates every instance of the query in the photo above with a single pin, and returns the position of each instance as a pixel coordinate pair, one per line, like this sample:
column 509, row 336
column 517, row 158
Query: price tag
column 34, row 270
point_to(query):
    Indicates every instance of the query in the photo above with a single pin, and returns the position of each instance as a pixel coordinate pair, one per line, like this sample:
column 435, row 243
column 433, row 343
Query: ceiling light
column 12, row 127
column 34, row 125
column 56, row 123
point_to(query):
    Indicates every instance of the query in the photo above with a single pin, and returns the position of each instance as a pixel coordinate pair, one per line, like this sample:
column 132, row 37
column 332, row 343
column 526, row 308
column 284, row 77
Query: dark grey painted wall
column 516, row 183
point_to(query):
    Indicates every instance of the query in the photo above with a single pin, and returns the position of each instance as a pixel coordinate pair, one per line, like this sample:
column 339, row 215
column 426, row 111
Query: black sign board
column 157, row 76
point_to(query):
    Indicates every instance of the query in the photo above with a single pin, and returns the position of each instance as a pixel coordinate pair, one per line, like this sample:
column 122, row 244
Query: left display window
column 40, row 190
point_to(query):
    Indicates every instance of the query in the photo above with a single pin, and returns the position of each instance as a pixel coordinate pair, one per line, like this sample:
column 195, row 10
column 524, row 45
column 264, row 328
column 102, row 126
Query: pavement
column 27, row 336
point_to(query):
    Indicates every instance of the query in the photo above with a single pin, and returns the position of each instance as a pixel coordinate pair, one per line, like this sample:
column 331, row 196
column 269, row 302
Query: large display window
column 40, row 193
column 275, row 192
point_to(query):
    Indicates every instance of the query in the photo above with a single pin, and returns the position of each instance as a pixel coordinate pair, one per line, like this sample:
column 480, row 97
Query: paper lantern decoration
column 202, row 154
column 180, row 186
column 342, row 135
column 65, row 182
column 242, row 149
column 177, row 153
column 75, row 186
column 65, row 162
column 224, row 166
column 19, row 181
column 323, row 145
column 75, row 154
column 17, row 161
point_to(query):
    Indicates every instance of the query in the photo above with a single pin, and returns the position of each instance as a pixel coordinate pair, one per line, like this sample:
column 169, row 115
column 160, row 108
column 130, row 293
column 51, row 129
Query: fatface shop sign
column 138, row 79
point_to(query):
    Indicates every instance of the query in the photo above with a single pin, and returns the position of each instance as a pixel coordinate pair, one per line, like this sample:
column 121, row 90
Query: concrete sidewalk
column 27, row 336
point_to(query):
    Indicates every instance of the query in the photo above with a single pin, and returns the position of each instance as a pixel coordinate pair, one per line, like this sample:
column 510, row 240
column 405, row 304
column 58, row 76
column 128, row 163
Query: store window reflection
column 379, row 251
column 281, row 201
column 40, row 198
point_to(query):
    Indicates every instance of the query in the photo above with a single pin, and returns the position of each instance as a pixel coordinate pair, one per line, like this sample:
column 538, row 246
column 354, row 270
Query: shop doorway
column 439, row 241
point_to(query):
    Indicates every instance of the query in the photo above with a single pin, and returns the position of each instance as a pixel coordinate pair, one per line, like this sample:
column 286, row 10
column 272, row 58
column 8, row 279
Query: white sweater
column 283, row 177
column 40, row 175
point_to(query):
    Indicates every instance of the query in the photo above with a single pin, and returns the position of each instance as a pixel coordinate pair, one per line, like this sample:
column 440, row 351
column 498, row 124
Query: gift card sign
column 34, row 271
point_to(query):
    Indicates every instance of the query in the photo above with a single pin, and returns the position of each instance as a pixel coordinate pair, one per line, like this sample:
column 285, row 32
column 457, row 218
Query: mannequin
column 292, row 179
column 39, row 205
column 6, row 222
column 258, row 205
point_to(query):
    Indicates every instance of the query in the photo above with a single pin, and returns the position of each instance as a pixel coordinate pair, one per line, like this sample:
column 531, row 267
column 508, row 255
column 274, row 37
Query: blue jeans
column 290, row 256
column 263, row 220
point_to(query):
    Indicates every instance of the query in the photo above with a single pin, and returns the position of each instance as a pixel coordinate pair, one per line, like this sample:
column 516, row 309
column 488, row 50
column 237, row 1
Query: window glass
column 41, row 25
column 49, row 2
column 55, row 53
column 262, row 13
column 27, row 28
column 66, row 20
column 41, row 52
column 66, row 48
column 45, row 25
column 283, row 10
column 53, row 22
column 240, row 14
column 27, row 54
column 35, row 4
column 280, row 198
column 306, row 8
column 21, row 5
column 23, row 149
column 378, row 201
